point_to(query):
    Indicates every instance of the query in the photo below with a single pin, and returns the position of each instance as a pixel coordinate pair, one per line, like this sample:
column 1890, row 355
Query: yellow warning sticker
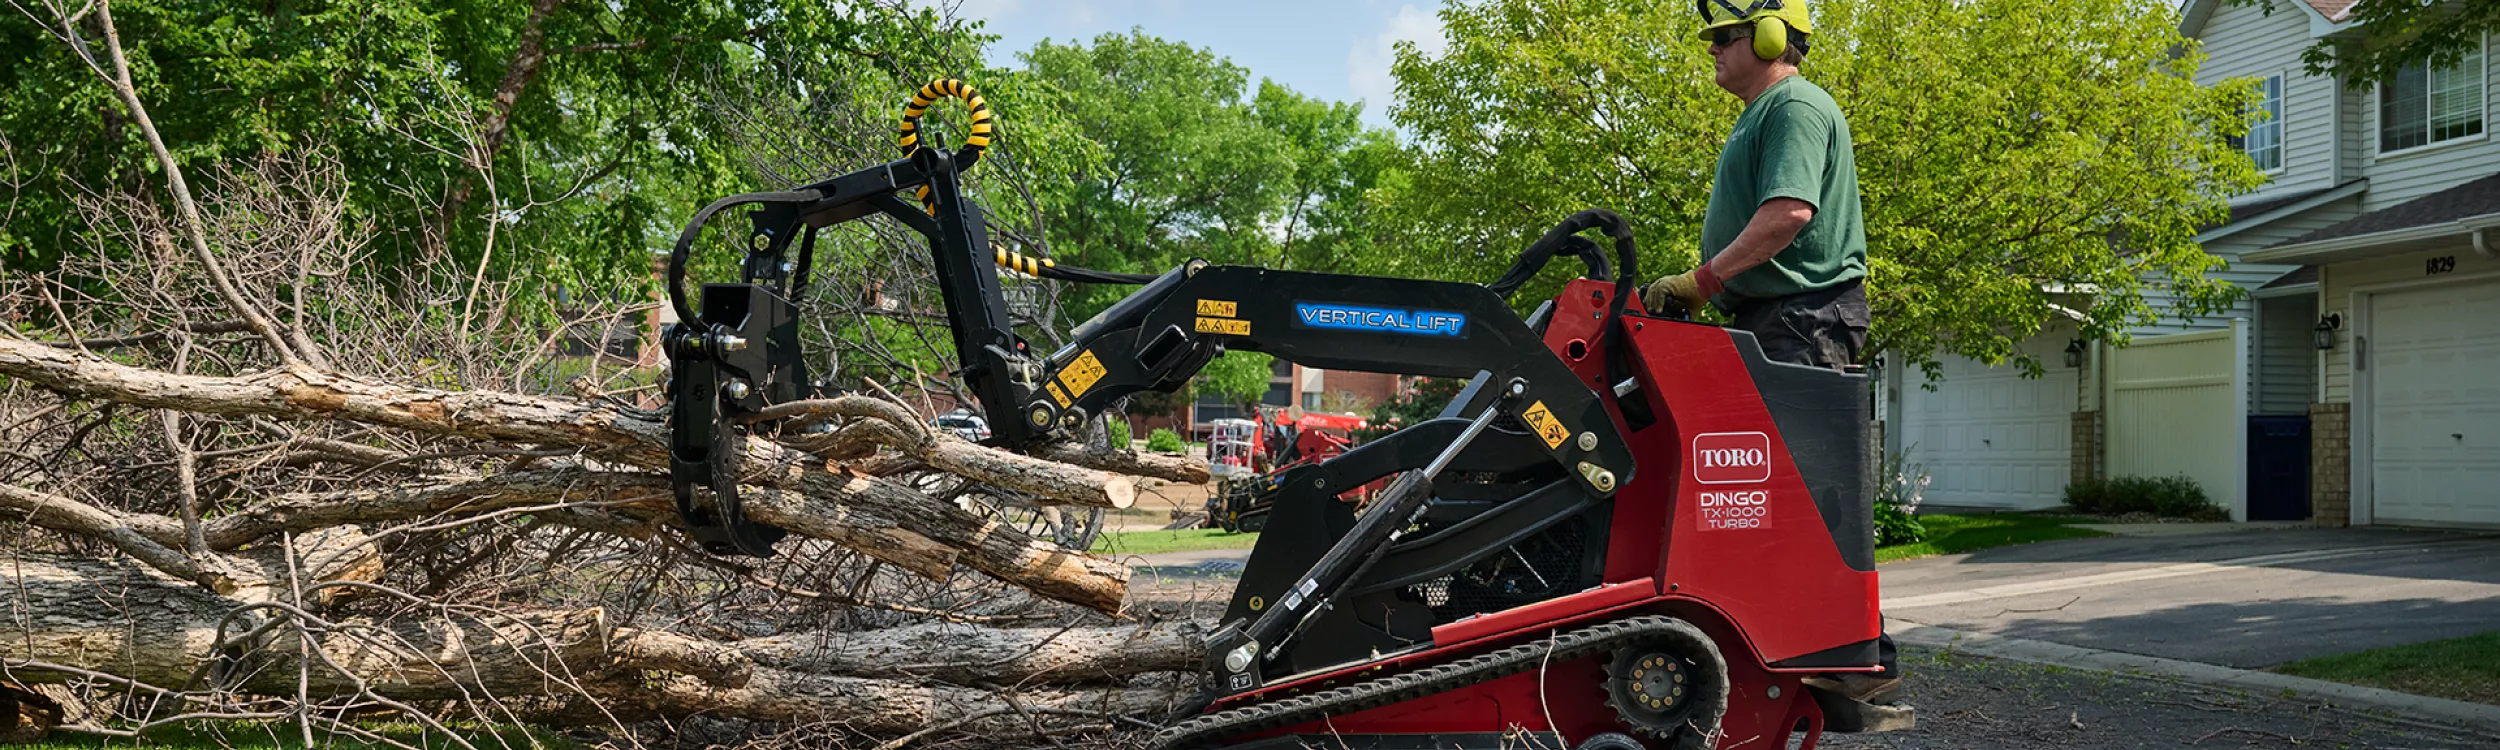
column 1542, row 420
column 1226, row 326
column 1217, row 307
column 1081, row 374
column 1058, row 394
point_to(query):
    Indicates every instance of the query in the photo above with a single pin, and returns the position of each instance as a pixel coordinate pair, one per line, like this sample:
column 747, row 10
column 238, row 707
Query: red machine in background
column 1239, row 503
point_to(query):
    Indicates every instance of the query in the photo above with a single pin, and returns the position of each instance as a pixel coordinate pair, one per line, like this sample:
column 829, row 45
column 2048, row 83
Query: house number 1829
column 2439, row 265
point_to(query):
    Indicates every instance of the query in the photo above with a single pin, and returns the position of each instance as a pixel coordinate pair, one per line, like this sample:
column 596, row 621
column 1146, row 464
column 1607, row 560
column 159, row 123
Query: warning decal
column 1542, row 420
column 1217, row 307
column 1059, row 394
column 1082, row 373
column 1226, row 326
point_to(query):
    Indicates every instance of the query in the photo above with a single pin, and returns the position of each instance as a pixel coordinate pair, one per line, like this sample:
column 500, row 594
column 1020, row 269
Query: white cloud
column 1367, row 64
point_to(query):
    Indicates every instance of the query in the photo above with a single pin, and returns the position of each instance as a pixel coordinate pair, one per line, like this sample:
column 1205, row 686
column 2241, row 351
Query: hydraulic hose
column 677, row 297
column 984, row 130
column 983, row 124
column 1533, row 260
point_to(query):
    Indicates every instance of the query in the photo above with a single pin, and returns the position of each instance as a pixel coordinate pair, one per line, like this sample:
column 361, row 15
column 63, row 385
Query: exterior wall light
column 2074, row 353
column 2324, row 333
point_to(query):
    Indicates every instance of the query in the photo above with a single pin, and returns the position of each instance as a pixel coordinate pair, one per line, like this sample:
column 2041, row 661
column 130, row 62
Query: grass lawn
column 2466, row 669
column 1176, row 540
column 1951, row 534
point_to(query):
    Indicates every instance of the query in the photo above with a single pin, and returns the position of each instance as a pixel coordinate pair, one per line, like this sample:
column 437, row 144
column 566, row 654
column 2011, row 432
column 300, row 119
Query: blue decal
column 1380, row 319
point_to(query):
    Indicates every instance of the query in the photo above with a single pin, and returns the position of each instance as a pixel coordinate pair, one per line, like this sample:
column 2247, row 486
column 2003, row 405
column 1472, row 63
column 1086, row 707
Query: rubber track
column 1199, row 731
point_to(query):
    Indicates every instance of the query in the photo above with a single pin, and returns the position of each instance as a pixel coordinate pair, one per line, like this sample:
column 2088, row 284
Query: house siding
column 2415, row 173
column 2348, row 146
column 2242, row 40
column 2338, row 281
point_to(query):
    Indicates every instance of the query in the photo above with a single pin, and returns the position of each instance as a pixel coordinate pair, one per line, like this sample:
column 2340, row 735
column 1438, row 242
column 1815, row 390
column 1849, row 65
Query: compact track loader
column 1628, row 531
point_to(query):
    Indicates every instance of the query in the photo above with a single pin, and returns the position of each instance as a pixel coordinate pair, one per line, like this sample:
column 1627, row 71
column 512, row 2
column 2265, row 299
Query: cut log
column 874, row 516
column 973, row 655
column 123, row 619
column 1159, row 466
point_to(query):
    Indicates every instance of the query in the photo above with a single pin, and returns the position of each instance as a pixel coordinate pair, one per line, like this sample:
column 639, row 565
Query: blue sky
column 1329, row 49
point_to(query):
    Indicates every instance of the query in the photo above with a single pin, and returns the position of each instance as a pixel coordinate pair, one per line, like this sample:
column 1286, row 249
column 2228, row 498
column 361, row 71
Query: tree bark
column 877, row 517
column 115, row 617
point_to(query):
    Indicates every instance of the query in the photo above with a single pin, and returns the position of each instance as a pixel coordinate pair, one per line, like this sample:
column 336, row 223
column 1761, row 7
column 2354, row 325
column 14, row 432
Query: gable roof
column 2257, row 213
column 2478, row 198
column 2334, row 10
column 2422, row 223
column 2194, row 14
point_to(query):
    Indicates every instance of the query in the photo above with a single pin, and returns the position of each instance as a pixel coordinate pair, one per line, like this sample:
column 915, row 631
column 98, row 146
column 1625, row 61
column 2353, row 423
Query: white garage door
column 1988, row 436
column 2434, row 371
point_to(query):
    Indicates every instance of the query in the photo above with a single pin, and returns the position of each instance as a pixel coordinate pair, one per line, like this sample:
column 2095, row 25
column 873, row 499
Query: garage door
column 2434, row 372
column 1989, row 437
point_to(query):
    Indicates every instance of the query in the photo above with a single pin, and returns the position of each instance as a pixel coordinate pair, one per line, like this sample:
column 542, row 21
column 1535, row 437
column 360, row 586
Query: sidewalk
column 2243, row 599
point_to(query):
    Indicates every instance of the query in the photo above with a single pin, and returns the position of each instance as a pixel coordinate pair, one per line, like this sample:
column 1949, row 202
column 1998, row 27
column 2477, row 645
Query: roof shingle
column 2478, row 198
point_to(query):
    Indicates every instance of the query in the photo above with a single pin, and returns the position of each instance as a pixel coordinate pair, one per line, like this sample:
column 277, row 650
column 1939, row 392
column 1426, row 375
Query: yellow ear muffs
column 1770, row 38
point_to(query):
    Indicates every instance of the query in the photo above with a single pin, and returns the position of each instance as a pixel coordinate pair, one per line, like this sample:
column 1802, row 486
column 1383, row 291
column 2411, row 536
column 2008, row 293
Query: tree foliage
column 1239, row 377
column 562, row 140
column 2064, row 170
column 2396, row 35
column 1195, row 162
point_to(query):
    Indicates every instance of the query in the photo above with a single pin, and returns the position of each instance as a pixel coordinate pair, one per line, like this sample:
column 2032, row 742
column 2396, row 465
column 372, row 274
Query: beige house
column 2406, row 413
column 2359, row 382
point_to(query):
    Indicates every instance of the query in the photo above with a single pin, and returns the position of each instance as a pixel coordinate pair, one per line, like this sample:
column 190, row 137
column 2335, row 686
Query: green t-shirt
column 1790, row 143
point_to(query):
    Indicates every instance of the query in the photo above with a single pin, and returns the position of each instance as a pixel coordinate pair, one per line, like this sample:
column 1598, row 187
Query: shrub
column 1896, row 503
column 1120, row 434
column 2170, row 497
column 1164, row 440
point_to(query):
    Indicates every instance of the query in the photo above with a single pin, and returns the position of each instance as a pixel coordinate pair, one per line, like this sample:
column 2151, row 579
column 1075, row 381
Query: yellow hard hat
column 1772, row 20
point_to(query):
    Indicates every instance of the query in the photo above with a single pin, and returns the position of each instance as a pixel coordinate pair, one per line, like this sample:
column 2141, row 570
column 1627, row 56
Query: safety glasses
column 1729, row 35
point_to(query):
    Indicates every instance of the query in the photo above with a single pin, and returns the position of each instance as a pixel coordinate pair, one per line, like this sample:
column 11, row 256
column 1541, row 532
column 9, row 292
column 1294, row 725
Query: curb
column 2475, row 716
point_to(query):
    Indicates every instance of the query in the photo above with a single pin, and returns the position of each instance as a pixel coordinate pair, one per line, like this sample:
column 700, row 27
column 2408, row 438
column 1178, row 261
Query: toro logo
column 1722, row 510
column 1731, row 457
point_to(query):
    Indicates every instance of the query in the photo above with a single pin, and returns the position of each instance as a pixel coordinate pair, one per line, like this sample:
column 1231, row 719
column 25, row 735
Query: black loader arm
column 1159, row 337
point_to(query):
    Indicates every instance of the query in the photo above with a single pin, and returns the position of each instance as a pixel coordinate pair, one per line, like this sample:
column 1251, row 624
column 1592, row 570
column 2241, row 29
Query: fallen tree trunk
column 875, row 516
column 77, row 616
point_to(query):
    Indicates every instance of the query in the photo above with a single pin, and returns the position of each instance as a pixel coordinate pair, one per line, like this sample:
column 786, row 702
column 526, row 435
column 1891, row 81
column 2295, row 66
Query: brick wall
column 2083, row 458
column 2330, row 464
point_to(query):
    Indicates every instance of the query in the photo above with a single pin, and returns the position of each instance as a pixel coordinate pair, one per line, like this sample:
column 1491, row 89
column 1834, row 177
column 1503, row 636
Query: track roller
column 1671, row 687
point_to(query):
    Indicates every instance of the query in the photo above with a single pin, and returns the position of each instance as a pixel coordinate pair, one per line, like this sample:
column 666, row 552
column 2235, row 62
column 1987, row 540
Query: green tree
column 1324, row 221
column 1193, row 163
column 574, row 133
column 1420, row 402
column 2396, row 35
column 2066, row 167
column 1239, row 377
column 1185, row 169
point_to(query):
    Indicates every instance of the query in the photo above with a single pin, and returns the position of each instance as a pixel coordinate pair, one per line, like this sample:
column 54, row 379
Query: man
column 1783, row 245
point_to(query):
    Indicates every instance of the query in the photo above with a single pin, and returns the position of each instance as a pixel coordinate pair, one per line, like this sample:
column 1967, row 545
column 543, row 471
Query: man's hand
column 1693, row 289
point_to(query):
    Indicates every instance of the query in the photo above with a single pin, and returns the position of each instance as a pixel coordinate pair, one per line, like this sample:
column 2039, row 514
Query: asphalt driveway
column 2247, row 599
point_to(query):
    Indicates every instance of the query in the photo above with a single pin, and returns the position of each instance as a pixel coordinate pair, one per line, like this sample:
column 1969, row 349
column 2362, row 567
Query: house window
column 2420, row 107
column 2264, row 142
column 1310, row 400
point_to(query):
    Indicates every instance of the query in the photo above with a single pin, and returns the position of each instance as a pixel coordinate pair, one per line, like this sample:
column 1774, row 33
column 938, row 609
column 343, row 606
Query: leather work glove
column 1692, row 289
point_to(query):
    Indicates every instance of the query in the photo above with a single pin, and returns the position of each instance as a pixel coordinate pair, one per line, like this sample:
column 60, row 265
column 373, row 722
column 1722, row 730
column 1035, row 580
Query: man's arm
column 1774, row 225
